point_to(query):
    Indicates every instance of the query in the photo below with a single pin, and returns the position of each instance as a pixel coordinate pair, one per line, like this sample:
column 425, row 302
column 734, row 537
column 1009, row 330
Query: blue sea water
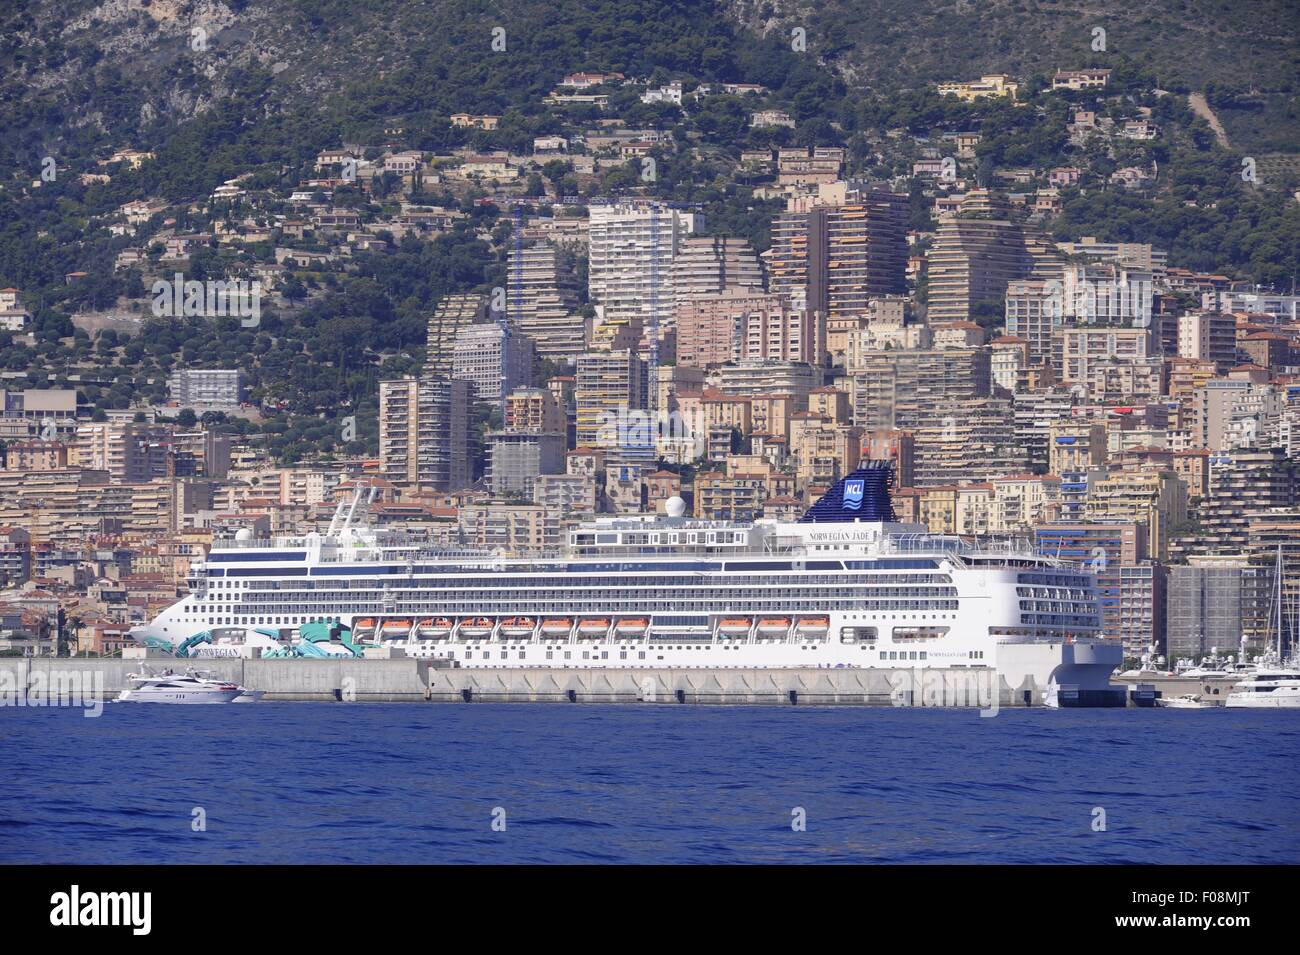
column 419, row 783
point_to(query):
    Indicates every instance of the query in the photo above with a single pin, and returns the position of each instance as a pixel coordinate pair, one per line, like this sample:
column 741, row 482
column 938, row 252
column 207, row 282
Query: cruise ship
column 844, row 586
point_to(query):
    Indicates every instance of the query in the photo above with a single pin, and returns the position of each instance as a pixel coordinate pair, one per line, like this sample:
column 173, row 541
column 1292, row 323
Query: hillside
column 245, row 95
column 1244, row 55
column 74, row 74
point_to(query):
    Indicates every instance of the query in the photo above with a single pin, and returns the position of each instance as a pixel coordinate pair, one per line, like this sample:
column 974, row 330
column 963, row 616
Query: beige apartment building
column 424, row 436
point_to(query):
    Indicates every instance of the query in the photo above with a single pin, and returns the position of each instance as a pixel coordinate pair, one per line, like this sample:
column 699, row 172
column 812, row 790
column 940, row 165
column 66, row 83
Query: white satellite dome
column 243, row 534
column 675, row 506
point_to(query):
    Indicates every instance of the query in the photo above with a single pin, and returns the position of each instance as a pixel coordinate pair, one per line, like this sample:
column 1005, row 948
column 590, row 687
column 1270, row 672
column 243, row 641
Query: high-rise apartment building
column 889, row 387
column 631, row 251
column 976, row 253
column 450, row 315
column 535, row 409
column 610, row 395
column 1107, row 294
column 1082, row 347
column 712, row 264
column 424, row 433
column 709, row 326
column 832, row 259
column 542, row 301
column 970, row 440
column 493, row 359
column 1209, row 336
column 1244, row 485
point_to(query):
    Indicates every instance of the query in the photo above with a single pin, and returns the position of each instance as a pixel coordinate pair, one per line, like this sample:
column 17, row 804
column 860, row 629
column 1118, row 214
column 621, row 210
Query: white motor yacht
column 190, row 687
column 1271, row 688
column 1275, row 682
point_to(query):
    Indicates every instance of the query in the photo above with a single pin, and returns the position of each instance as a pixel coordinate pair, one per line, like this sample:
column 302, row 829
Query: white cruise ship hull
column 674, row 593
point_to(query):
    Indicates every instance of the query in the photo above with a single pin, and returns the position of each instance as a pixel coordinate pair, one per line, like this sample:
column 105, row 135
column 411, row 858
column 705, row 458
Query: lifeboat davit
column 517, row 627
column 595, row 627
column 734, row 626
column 557, row 627
column 774, row 626
column 475, row 627
column 633, row 626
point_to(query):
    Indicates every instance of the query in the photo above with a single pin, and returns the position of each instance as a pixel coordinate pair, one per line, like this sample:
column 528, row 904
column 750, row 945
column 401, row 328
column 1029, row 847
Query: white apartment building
column 493, row 359
column 1104, row 294
column 207, row 389
column 631, row 249
column 1281, row 307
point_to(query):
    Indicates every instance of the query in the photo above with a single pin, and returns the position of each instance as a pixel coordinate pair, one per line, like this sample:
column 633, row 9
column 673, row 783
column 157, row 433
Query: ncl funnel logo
column 853, row 491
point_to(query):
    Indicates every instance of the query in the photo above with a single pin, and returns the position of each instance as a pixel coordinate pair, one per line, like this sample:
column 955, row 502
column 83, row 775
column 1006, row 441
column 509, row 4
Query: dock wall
column 409, row 680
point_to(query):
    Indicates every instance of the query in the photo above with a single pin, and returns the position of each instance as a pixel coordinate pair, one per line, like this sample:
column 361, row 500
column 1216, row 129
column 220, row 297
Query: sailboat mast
column 1277, row 585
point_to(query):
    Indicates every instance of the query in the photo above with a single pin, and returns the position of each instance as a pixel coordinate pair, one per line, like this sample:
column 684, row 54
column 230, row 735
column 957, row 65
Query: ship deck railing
column 955, row 548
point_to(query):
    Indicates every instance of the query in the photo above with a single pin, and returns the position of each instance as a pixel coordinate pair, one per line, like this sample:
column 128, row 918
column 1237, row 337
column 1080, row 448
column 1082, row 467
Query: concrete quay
column 1212, row 688
column 374, row 681
column 401, row 679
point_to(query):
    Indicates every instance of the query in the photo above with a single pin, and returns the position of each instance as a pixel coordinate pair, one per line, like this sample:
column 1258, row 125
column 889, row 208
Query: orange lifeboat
column 632, row 626
column 517, row 627
column 774, row 626
column 475, row 627
column 734, row 626
column 593, row 627
column 432, row 628
column 557, row 627
column 814, row 624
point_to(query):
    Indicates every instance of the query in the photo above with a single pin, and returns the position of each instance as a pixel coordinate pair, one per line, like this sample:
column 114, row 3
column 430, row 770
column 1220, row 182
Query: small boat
column 189, row 687
column 475, row 627
column 557, row 627
column 814, row 624
column 363, row 629
column 632, row 626
column 734, row 626
column 774, row 626
column 1187, row 701
column 593, row 627
column 396, row 628
column 434, row 628
column 517, row 627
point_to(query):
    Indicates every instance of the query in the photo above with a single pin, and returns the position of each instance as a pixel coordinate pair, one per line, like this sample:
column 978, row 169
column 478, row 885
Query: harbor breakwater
column 48, row 680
